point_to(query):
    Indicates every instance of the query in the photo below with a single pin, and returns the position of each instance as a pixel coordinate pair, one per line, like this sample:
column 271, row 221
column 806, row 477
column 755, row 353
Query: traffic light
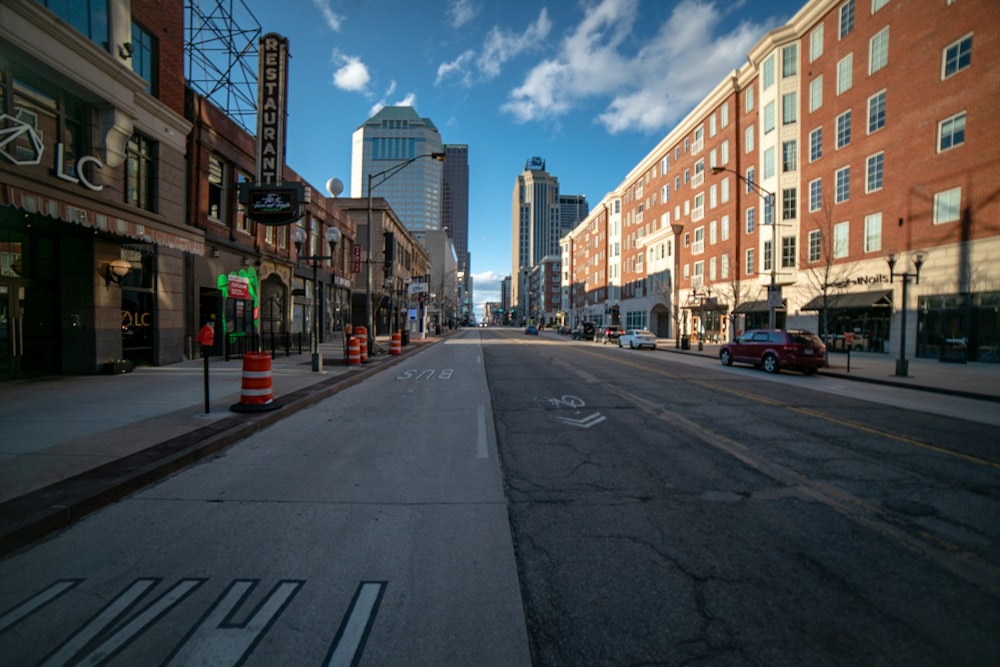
column 390, row 252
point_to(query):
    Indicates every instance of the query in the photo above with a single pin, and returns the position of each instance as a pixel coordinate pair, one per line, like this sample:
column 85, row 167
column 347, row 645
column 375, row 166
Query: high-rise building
column 538, row 222
column 455, row 217
column 387, row 139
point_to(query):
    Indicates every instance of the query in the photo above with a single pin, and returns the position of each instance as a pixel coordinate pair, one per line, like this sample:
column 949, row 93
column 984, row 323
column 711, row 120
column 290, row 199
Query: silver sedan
column 637, row 338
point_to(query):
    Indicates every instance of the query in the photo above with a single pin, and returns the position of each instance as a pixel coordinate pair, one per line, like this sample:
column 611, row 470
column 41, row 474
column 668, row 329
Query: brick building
column 860, row 129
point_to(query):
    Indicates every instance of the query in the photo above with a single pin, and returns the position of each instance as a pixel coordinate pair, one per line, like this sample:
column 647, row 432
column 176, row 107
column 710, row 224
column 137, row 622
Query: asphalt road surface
column 500, row 499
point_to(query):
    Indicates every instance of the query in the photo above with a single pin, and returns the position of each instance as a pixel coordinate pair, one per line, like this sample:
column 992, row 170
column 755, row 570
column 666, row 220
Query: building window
column 140, row 172
column 815, row 195
column 768, row 255
column 711, row 125
column 878, row 51
column 789, row 250
column 878, row 4
column 724, row 152
column 789, row 108
column 699, row 140
column 846, row 18
column 748, row 139
column 751, row 262
column 815, row 246
column 724, row 190
column 876, row 112
column 873, row 232
column 699, row 207
column 843, row 188
column 956, row 57
column 713, row 200
column 748, row 98
column 768, row 72
column 751, row 175
column 724, row 228
column 790, row 155
column 874, row 172
column 769, row 117
column 816, row 144
column 768, row 210
column 816, row 43
column 789, row 203
column 790, row 60
column 724, row 115
column 845, row 74
column 947, row 205
column 840, row 239
column 951, row 132
column 216, row 188
column 843, row 129
column 699, row 174
column 144, row 56
column 664, row 165
column 243, row 223
column 89, row 17
column 724, row 267
column 769, row 163
column 751, row 219
column 816, row 93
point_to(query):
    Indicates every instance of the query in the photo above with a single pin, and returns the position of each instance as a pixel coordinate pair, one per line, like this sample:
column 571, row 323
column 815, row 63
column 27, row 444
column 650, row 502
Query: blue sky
column 591, row 86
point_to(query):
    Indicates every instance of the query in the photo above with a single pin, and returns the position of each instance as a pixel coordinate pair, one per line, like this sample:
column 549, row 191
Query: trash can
column 685, row 342
column 406, row 336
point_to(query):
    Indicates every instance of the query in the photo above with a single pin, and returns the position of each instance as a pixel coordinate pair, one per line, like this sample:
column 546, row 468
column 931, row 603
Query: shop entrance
column 11, row 332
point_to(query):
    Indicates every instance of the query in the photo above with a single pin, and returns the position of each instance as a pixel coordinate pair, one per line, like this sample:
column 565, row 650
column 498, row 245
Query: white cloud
column 410, row 100
column 648, row 90
column 498, row 48
column 461, row 12
column 352, row 74
column 333, row 20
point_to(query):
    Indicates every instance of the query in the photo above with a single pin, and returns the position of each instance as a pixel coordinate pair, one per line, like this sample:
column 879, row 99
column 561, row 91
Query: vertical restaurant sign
column 272, row 100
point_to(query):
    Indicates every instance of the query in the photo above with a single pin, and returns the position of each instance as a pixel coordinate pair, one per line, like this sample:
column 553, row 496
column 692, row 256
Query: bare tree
column 825, row 276
column 735, row 292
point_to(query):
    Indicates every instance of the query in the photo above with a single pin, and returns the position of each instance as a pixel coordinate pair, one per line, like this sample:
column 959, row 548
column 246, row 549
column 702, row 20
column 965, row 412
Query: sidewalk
column 973, row 380
column 72, row 444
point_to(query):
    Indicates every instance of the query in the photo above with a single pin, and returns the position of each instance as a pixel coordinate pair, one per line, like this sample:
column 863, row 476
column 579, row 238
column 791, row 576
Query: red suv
column 774, row 349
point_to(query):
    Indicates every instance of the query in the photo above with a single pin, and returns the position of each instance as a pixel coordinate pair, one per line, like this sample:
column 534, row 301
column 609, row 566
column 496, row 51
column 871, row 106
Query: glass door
column 11, row 332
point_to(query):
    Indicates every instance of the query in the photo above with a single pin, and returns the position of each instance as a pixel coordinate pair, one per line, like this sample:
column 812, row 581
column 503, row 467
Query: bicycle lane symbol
column 575, row 403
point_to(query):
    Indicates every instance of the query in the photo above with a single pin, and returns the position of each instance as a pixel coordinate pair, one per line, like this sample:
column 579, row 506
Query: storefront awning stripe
column 876, row 299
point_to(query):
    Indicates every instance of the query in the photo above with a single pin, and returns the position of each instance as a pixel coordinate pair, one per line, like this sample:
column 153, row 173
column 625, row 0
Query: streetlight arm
column 766, row 194
column 386, row 174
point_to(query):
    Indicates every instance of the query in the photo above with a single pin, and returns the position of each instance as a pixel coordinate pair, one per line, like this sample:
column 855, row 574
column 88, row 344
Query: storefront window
column 967, row 321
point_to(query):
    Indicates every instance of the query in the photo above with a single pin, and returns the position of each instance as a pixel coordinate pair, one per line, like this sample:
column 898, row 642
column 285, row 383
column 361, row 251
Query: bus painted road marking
column 353, row 633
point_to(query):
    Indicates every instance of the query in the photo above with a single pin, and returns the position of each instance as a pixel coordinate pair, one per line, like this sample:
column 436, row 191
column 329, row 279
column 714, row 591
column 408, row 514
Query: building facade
column 857, row 131
column 455, row 219
column 390, row 137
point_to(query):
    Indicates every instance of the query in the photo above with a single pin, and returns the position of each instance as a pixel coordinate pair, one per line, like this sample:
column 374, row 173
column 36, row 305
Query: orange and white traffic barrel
column 396, row 344
column 256, row 394
column 362, row 333
column 353, row 351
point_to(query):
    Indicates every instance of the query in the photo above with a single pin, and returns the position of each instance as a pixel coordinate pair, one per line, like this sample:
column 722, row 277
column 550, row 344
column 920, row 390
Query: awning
column 752, row 307
column 876, row 299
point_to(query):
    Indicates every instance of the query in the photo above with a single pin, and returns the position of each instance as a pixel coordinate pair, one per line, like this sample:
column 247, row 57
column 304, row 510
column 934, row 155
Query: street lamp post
column 332, row 238
column 902, row 365
column 772, row 319
column 385, row 175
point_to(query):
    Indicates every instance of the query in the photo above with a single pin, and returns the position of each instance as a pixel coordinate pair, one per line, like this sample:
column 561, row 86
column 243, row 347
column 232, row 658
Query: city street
column 502, row 499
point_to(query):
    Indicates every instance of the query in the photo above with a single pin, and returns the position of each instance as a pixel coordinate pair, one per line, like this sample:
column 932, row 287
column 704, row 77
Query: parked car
column 531, row 329
column 608, row 333
column 637, row 338
column 584, row 331
column 775, row 349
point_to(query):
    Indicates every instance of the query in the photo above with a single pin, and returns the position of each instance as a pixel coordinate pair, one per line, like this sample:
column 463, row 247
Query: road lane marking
column 353, row 632
column 482, row 452
column 216, row 640
column 112, row 615
column 33, row 604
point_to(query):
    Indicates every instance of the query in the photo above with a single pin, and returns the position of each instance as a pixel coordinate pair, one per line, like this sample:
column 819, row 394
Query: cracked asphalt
column 717, row 518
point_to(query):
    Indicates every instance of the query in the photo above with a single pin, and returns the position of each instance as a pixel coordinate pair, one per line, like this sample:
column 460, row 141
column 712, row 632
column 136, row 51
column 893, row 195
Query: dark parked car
column 774, row 349
column 531, row 330
column 584, row 331
column 609, row 334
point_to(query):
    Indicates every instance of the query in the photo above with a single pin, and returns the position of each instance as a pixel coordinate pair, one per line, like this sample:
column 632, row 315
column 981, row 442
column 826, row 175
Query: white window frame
column 841, row 239
column 843, row 124
column 748, row 139
column 878, row 51
column 815, row 249
column 873, row 232
column 816, row 93
column 845, row 74
column 816, row 43
column 957, row 44
column 813, row 144
column 880, row 157
column 815, row 195
column 947, row 206
column 842, row 176
column 880, row 98
column 949, row 124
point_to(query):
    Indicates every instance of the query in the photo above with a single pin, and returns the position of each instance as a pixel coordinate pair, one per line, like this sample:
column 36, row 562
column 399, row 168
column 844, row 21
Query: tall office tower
column 387, row 139
column 455, row 212
column 572, row 211
column 535, row 224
